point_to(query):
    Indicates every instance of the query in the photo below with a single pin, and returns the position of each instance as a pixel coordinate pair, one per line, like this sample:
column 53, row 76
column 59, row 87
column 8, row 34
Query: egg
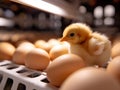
column 90, row 78
column 113, row 68
column 43, row 45
column 21, row 42
column 21, row 51
column 57, row 51
column 116, row 50
column 37, row 59
column 53, row 42
column 62, row 67
column 6, row 51
column 25, row 43
column 39, row 43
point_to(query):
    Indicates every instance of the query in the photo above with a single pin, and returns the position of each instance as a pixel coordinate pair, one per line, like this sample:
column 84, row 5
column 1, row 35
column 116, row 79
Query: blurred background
column 19, row 22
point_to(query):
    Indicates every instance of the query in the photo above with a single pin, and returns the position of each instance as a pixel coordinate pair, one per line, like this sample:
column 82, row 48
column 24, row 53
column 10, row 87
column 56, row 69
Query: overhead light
column 6, row 22
column 58, row 7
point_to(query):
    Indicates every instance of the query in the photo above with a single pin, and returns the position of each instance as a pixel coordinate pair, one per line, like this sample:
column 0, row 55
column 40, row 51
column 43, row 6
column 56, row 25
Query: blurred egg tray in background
column 16, row 36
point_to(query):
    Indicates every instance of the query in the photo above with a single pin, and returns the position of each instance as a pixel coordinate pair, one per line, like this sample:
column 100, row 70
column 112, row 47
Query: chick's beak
column 63, row 39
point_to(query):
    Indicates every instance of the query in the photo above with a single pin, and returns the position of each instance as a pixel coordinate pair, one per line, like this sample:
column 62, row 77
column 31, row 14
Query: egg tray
column 19, row 77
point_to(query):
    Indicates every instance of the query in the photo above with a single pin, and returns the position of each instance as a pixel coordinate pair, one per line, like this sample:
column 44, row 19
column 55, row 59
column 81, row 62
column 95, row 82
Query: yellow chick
column 76, row 33
column 93, row 47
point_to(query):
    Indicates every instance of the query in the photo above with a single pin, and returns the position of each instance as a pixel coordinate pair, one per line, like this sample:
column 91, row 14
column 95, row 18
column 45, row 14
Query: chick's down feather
column 93, row 47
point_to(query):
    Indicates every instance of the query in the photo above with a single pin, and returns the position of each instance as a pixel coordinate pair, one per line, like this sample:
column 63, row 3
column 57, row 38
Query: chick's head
column 76, row 33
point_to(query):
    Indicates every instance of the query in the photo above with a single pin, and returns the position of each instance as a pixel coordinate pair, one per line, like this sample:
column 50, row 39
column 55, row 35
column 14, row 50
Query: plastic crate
column 18, row 77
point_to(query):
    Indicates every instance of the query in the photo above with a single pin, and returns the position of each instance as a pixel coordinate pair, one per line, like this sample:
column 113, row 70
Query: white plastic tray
column 18, row 77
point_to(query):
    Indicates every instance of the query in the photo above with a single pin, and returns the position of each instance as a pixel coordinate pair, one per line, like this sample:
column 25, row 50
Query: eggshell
column 113, row 68
column 90, row 78
column 25, row 43
column 21, row 51
column 62, row 67
column 53, row 42
column 116, row 50
column 39, row 43
column 6, row 51
column 37, row 59
column 43, row 45
column 21, row 42
column 58, row 50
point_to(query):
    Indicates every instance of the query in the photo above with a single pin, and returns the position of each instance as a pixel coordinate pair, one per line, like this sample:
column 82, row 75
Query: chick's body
column 93, row 47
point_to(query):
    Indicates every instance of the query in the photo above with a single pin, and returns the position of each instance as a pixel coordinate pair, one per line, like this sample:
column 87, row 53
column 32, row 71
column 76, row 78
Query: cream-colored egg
column 37, row 59
column 90, row 78
column 39, row 43
column 116, row 50
column 53, row 42
column 25, row 43
column 43, row 45
column 57, row 51
column 62, row 67
column 21, row 51
column 113, row 68
column 21, row 42
column 6, row 51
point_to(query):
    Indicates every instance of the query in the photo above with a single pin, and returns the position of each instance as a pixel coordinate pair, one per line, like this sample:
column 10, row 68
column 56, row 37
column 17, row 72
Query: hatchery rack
column 19, row 77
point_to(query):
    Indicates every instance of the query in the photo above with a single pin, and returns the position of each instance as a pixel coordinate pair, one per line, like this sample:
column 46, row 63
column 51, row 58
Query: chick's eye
column 72, row 34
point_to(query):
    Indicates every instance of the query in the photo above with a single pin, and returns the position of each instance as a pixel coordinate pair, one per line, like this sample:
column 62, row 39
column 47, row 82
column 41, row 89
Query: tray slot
column 1, row 77
column 33, row 75
column 12, row 67
column 23, row 71
column 45, row 80
column 21, row 87
column 8, row 84
column 6, row 64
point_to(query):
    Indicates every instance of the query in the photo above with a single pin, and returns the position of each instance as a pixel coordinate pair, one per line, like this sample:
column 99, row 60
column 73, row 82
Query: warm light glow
column 109, row 21
column 59, row 7
column 6, row 22
column 82, row 9
column 45, row 6
column 98, row 12
column 109, row 10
